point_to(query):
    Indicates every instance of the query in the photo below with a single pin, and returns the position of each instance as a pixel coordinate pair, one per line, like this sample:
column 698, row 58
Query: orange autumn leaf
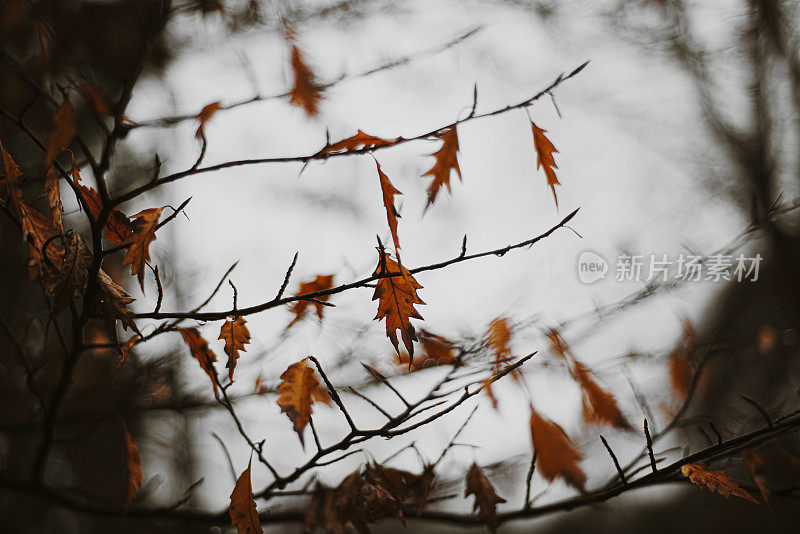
column 498, row 339
column 133, row 465
column 118, row 227
column 486, row 498
column 204, row 116
column 244, row 515
column 556, row 454
column 446, row 162
column 299, row 308
column 297, row 392
column 96, row 98
column 716, row 481
column 599, row 405
column 396, row 296
column 388, row 193
column 143, row 233
column 202, row 353
column 236, row 335
column 544, row 157
column 306, row 92
column 63, row 133
column 359, row 141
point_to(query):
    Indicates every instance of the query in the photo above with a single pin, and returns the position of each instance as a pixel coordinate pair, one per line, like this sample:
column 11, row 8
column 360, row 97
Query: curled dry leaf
column 244, row 515
column 133, row 464
column 716, row 481
column 63, row 132
column 396, row 296
column 486, row 498
column 446, row 162
column 202, row 353
column 297, row 392
column 544, row 157
column 114, row 303
column 71, row 278
column 118, row 227
column 53, row 194
column 556, row 454
column 306, row 92
column 359, row 141
column 204, row 116
column 299, row 308
column 236, row 335
column 361, row 499
column 403, row 486
column 143, row 234
column 388, row 193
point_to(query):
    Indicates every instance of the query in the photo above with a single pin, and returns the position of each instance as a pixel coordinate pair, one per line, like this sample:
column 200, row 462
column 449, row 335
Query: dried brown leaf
column 297, row 392
column 556, row 454
column 359, row 141
column 388, row 193
column 236, row 335
column 599, row 405
column 204, row 116
column 143, row 234
column 53, row 193
column 202, row 353
column 486, row 498
column 716, row 481
column 306, row 92
column 397, row 296
column 73, row 273
column 299, row 308
column 544, row 157
column 63, row 133
column 446, row 162
column 244, row 515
